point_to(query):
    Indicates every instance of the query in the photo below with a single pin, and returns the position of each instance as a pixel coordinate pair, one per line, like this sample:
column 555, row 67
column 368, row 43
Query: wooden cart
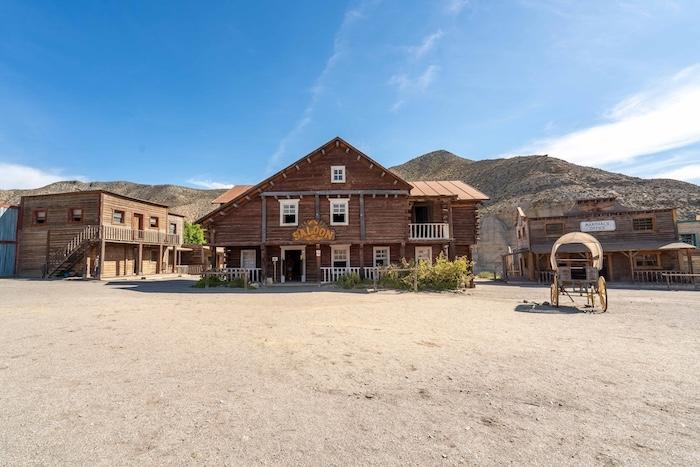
column 579, row 275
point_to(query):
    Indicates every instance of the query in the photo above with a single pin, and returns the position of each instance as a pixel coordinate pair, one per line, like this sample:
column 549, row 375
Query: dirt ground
column 156, row 372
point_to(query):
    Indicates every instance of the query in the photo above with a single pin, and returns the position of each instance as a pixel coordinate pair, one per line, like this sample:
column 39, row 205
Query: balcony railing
column 431, row 231
column 125, row 234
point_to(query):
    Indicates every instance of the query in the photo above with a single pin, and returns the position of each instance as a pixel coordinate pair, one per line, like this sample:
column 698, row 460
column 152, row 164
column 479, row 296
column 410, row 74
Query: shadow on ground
column 533, row 307
column 185, row 286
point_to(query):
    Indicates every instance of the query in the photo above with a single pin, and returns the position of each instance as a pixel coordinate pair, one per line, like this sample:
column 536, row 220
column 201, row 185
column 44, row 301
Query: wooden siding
column 465, row 226
column 111, row 203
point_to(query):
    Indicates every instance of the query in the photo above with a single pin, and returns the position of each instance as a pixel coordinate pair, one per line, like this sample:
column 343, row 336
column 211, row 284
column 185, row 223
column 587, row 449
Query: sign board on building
column 275, row 259
column 598, row 226
column 312, row 231
column 318, row 252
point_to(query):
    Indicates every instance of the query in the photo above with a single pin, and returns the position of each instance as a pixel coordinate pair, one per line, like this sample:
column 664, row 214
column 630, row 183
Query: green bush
column 443, row 274
column 488, row 275
column 236, row 283
column 193, row 235
column 349, row 281
column 209, row 281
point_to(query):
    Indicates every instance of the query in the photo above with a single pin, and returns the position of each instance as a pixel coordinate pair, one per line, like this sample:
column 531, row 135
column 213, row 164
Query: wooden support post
column 531, row 266
column 263, row 223
column 139, row 264
column 101, row 264
column 363, row 233
column 319, row 272
column 317, row 203
column 689, row 254
column 214, row 258
column 263, row 263
column 159, row 265
column 631, row 258
column 362, row 257
column 402, row 250
column 451, row 251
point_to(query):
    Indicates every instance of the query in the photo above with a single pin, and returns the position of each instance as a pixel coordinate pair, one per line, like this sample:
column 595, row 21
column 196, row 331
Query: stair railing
column 89, row 233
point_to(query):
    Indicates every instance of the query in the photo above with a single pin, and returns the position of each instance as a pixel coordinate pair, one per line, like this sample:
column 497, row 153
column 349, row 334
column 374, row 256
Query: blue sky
column 209, row 95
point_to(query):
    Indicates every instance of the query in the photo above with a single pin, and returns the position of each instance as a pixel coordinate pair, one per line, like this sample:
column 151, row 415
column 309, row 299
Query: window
column 556, row 228
column 381, row 256
column 172, row 228
column 40, row 216
column 643, row 223
column 75, row 215
column 153, row 222
column 289, row 212
column 340, row 256
column 117, row 217
column 339, row 211
column 650, row 260
column 337, row 174
column 689, row 238
column 248, row 259
column 424, row 253
column 154, row 256
column 421, row 214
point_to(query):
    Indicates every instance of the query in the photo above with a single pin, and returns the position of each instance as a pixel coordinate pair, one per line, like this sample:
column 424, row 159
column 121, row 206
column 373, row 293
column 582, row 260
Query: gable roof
column 231, row 193
column 457, row 188
column 246, row 194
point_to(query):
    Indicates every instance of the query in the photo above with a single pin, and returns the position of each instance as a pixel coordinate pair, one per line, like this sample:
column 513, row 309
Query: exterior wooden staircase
column 63, row 260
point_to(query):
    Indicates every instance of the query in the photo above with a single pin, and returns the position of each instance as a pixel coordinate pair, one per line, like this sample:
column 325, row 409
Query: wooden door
column 137, row 225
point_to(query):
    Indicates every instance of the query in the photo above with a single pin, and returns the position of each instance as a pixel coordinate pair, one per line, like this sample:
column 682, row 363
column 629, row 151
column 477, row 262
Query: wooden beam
column 139, row 267
column 101, row 267
column 335, row 192
column 263, row 220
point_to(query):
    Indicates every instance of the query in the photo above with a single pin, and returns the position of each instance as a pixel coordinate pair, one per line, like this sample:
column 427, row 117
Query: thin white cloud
column 318, row 88
column 17, row 176
column 687, row 173
column 455, row 7
column 427, row 45
column 658, row 119
column 407, row 86
column 209, row 184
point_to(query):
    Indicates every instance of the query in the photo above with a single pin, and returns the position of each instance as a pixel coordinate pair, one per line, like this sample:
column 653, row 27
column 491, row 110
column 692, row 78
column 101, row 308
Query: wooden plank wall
column 131, row 207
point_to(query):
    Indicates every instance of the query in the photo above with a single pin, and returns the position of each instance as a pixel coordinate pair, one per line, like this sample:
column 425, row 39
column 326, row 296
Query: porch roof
column 641, row 245
column 446, row 188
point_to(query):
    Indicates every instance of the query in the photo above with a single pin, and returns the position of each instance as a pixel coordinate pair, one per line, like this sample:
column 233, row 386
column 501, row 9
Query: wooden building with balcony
column 95, row 234
column 638, row 245
column 335, row 211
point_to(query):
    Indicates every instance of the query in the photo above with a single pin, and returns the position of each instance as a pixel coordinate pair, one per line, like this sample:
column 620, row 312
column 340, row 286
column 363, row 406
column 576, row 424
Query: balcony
column 124, row 234
column 429, row 231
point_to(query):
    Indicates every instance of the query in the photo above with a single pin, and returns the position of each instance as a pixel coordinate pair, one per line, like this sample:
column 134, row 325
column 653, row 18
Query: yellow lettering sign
column 313, row 231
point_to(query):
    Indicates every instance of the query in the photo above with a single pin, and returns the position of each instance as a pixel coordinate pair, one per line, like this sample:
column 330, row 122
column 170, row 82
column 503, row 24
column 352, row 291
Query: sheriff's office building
column 638, row 245
column 96, row 234
column 335, row 211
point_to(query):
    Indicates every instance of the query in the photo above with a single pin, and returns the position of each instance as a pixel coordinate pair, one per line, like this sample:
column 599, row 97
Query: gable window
column 153, row 222
column 117, row 217
column 339, row 211
column 381, row 256
column 643, row 223
column 555, row 228
column 289, row 212
column 337, row 174
column 647, row 261
column 76, row 215
column 340, row 256
column 172, row 228
column 40, row 216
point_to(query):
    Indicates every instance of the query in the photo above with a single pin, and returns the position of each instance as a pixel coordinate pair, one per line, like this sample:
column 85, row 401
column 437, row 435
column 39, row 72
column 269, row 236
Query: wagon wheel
column 554, row 292
column 602, row 290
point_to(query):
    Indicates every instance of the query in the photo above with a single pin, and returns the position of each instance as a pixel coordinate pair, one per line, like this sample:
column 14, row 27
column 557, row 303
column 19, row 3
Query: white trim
column 428, row 248
column 289, row 202
column 338, row 167
column 284, row 250
column 374, row 255
column 335, row 248
column 255, row 258
column 344, row 201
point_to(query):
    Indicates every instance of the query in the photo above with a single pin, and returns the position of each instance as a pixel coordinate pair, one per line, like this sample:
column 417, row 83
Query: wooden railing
column 193, row 269
column 545, row 277
column 333, row 274
column 432, row 231
column 374, row 273
column 663, row 277
column 58, row 257
column 229, row 274
column 125, row 234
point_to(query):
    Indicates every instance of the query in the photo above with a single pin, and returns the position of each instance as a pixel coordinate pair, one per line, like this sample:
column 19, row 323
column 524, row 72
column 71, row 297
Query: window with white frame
column 339, row 211
column 424, row 253
column 289, row 212
column 337, row 174
column 340, row 256
column 381, row 256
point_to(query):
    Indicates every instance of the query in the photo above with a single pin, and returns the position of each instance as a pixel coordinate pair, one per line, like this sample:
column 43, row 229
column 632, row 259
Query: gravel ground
column 156, row 372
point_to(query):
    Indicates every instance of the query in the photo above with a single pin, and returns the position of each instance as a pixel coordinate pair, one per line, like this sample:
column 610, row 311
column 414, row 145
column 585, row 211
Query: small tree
column 194, row 235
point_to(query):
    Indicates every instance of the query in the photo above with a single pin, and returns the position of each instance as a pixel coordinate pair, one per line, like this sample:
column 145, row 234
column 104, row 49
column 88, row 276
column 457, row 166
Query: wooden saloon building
column 336, row 211
column 95, row 234
column 638, row 245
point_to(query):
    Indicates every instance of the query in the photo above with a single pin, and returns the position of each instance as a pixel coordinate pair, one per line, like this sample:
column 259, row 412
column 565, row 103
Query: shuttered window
column 643, row 223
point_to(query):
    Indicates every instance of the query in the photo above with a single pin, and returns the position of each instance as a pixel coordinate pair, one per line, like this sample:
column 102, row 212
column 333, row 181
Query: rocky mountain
column 190, row 202
column 543, row 184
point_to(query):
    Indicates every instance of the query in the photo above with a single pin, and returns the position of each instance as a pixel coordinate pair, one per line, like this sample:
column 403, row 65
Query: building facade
column 95, row 234
column 336, row 210
column 8, row 239
column 638, row 245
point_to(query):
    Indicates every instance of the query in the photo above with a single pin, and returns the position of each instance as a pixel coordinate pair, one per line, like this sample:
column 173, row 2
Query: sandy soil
column 158, row 372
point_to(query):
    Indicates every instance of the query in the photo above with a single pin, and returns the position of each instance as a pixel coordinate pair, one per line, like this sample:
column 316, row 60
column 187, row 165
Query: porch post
column 101, row 267
column 451, row 248
column 139, row 265
column 263, row 214
column 263, row 263
column 318, row 261
column 531, row 265
column 174, row 267
column 631, row 257
column 402, row 250
column 689, row 255
column 159, row 264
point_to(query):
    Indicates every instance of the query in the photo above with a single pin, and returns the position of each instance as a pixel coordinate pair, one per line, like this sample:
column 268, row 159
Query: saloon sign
column 598, row 226
column 313, row 231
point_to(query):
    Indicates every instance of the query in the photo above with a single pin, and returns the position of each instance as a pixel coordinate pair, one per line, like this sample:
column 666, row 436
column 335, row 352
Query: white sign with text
column 598, row 226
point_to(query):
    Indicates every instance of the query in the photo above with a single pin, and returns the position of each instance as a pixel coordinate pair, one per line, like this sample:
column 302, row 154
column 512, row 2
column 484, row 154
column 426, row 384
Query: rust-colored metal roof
column 447, row 188
column 231, row 193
